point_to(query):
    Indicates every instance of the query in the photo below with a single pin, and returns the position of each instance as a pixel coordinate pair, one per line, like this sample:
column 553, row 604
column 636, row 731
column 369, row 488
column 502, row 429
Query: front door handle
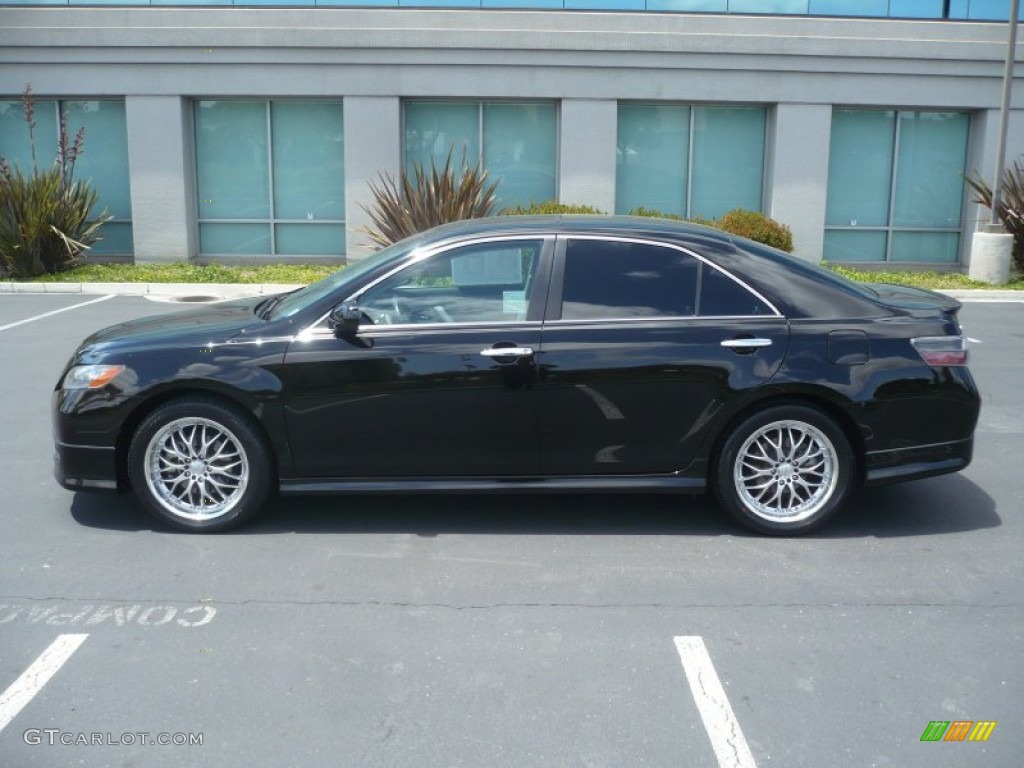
column 507, row 352
column 746, row 343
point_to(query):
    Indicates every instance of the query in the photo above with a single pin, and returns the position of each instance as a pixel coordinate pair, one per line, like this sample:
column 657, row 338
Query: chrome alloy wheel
column 786, row 471
column 196, row 468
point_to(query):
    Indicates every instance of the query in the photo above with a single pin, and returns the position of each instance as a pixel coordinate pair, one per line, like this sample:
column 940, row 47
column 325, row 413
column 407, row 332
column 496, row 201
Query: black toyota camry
column 523, row 354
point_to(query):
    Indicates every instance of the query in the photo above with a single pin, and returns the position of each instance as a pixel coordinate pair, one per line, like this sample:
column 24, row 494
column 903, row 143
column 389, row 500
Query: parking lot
column 505, row 631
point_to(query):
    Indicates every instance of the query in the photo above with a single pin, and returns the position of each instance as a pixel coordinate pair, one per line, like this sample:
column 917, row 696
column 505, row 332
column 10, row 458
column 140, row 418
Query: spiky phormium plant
column 1011, row 204
column 45, row 215
column 421, row 199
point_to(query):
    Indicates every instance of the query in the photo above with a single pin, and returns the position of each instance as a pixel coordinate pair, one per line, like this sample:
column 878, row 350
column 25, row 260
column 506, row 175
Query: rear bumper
column 85, row 467
column 916, row 462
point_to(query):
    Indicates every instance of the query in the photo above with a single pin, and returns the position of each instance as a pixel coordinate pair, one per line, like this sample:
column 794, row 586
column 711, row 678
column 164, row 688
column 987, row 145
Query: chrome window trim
column 660, row 319
column 314, row 332
column 702, row 259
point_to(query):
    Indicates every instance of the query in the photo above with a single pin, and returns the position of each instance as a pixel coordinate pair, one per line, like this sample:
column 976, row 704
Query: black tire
column 200, row 465
column 784, row 471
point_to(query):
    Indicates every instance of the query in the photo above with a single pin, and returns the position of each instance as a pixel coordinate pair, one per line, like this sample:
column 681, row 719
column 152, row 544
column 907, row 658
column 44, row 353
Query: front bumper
column 85, row 453
column 916, row 462
column 84, row 467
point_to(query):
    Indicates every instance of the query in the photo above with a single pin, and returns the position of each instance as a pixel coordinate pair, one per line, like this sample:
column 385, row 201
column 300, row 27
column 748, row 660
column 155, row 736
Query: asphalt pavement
column 504, row 631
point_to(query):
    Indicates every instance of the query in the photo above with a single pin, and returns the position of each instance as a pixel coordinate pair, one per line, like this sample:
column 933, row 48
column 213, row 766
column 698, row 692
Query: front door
column 439, row 380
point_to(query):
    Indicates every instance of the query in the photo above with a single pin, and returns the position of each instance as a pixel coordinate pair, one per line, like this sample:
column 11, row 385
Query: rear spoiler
column 910, row 298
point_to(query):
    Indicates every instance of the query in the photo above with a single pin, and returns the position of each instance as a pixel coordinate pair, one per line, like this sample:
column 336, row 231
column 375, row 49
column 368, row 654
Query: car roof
column 589, row 223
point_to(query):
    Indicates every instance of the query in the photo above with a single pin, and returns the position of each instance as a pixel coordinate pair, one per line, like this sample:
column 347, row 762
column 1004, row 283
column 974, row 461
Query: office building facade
column 253, row 133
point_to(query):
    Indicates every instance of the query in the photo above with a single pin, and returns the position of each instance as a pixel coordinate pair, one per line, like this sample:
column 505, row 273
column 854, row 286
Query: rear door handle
column 746, row 343
column 507, row 352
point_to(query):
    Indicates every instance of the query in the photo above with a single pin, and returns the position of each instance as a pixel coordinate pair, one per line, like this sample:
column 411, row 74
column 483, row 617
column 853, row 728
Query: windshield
column 314, row 292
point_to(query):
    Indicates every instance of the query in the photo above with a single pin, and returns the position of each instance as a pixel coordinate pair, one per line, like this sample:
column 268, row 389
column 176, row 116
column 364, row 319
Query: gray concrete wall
column 586, row 61
column 797, row 177
column 587, row 153
column 159, row 161
column 373, row 129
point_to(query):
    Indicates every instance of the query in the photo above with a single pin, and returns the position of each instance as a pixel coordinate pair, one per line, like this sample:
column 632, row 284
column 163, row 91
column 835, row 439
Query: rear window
column 611, row 279
column 721, row 296
column 792, row 263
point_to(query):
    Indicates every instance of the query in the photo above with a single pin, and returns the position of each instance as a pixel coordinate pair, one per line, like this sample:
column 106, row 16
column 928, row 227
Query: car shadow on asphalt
column 948, row 504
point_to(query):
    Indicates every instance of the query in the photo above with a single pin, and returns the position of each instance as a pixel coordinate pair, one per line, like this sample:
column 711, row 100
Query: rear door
column 642, row 344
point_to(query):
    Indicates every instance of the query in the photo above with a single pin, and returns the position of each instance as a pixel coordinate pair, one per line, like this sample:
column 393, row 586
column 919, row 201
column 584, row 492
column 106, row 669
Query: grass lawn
column 297, row 273
column 934, row 280
column 190, row 273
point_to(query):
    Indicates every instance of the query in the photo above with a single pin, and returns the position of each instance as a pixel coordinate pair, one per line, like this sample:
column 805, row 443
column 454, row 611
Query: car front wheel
column 199, row 465
column 784, row 470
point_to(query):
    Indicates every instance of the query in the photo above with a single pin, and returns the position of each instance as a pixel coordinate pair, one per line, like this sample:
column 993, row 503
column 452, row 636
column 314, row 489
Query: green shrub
column 750, row 224
column 45, row 215
column 650, row 213
column 758, row 227
column 549, row 208
column 1011, row 204
column 417, row 202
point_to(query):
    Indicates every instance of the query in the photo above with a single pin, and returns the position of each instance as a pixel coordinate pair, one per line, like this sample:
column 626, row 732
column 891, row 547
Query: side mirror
column 345, row 319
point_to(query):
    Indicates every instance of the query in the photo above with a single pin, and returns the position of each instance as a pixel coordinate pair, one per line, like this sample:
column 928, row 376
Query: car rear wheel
column 199, row 465
column 784, row 470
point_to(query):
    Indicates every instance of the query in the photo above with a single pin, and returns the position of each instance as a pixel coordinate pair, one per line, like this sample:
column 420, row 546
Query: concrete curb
column 984, row 294
column 166, row 290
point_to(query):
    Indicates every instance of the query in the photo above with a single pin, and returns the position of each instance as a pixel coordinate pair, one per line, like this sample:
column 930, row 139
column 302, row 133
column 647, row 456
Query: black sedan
column 530, row 354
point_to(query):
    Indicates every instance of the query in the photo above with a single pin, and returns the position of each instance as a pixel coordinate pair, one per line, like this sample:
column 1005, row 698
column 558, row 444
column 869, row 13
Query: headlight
column 90, row 376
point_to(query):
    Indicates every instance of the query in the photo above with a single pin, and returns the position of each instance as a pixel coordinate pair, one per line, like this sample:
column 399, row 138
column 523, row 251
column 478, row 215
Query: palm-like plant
column 422, row 199
column 1010, row 205
column 46, row 219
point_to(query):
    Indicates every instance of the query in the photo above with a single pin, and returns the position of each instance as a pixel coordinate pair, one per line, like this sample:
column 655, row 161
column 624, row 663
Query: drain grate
column 195, row 299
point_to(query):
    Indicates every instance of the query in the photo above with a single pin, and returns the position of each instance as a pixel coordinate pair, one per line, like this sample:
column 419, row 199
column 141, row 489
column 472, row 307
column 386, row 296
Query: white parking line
column 991, row 301
column 57, row 311
column 719, row 720
column 24, row 689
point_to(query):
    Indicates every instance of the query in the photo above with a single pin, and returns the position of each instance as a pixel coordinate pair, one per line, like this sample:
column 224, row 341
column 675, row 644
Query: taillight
column 940, row 351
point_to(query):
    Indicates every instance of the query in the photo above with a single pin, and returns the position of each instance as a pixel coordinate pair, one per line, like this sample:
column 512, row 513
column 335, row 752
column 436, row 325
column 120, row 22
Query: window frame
column 480, row 104
column 691, row 106
column 553, row 312
column 271, row 222
column 890, row 230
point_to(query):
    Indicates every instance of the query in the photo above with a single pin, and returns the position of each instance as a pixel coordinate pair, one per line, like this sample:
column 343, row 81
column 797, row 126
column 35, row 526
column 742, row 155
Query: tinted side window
column 487, row 282
column 720, row 295
column 608, row 279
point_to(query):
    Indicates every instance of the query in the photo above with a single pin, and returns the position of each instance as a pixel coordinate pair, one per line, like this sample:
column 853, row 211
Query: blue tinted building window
column 958, row 9
column 998, row 10
column 895, row 186
column 691, row 6
column 516, row 142
column 610, row 5
column 104, row 162
column 270, row 178
column 689, row 161
column 916, row 9
column 796, row 7
column 849, row 7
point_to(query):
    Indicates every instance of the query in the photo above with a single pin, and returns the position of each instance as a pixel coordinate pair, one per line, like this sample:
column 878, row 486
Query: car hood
column 215, row 322
column 908, row 297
